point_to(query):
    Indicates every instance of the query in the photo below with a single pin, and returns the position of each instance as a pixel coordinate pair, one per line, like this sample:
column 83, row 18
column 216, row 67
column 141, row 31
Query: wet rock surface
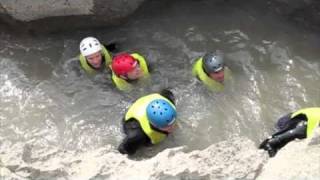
column 303, row 12
column 55, row 15
column 61, row 15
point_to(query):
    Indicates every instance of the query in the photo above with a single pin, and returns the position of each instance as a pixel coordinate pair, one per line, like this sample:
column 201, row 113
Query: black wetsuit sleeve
column 150, row 67
column 292, row 123
column 135, row 137
column 112, row 47
column 168, row 94
column 279, row 140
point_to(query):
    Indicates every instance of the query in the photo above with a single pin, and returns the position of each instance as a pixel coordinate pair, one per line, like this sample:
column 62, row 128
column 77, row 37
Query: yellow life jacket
column 213, row 85
column 313, row 117
column 122, row 84
column 84, row 64
column 138, row 111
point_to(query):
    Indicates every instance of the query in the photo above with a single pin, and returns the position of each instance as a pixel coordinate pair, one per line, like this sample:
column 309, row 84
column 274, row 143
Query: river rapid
column 57, row 123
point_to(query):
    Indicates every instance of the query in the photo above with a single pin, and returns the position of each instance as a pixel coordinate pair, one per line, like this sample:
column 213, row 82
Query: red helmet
column 123, row 63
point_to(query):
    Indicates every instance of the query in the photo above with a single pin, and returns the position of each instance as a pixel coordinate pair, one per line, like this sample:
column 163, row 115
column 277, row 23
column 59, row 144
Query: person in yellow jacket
column 128, row 69
column 299, row 124
column 148, row 120
column 94, row 56
column 211, row 71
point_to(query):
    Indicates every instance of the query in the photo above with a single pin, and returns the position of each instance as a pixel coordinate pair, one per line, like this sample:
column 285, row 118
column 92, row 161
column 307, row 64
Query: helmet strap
column 124, row 77
column 158, row 129
column 204, row 70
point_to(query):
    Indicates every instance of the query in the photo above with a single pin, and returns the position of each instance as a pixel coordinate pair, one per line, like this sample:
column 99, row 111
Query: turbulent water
column 56, row 123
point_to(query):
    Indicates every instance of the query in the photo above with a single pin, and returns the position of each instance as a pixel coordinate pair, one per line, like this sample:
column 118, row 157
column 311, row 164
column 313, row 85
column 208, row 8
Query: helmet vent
column 89, row 46
column 160, row 113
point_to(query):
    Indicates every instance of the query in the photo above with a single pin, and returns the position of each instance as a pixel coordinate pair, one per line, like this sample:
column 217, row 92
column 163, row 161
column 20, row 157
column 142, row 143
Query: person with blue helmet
column 149, row 120
column 299, row 124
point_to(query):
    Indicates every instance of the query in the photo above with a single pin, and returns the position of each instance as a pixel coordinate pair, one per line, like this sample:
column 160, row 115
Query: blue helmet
column 161, row 113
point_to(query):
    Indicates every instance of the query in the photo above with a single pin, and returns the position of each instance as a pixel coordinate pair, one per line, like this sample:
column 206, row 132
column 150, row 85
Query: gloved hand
column 268, row 147
column 272, row 152
column 122, row 149
column 264, row 143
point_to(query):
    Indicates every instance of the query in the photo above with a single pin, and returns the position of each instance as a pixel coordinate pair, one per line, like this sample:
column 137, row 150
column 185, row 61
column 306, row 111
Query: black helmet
column 212, row 62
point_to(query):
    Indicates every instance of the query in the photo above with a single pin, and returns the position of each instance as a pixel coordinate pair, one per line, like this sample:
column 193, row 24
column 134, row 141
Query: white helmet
column 89, row 45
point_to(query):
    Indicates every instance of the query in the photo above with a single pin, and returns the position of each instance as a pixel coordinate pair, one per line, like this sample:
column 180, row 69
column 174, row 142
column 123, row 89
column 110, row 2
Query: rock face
column 304, row 12
column 237, row 158
column 28, row 10
column 53, row 15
